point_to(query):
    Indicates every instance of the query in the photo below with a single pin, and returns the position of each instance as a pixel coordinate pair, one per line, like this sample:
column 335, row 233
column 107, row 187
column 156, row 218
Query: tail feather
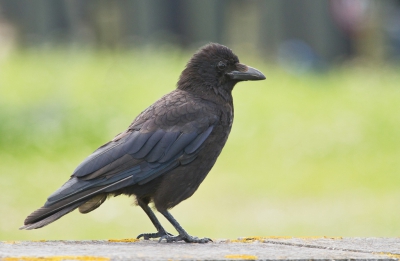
column 59, row 207
column 49, row 219
column 88, row 198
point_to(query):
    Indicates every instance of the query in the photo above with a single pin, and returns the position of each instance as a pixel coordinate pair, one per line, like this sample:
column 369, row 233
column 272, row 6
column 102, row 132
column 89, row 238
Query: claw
column 187, row 239
column 147, row 236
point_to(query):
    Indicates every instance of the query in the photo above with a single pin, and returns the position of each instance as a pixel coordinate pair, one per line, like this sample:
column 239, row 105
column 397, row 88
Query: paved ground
column 259, row 248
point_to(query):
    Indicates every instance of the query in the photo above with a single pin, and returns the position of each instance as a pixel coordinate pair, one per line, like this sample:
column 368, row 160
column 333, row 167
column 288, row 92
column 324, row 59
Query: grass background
column 309, row 155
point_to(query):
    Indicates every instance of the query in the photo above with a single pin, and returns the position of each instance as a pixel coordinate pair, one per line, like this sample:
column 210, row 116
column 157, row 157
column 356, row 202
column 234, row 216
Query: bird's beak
column 245, row 73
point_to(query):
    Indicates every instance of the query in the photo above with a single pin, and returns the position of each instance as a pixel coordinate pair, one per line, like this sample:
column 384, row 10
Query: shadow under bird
column 165, row 153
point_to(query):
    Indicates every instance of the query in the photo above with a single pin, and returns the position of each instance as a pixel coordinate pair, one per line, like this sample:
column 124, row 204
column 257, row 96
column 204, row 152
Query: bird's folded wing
column 133, row 157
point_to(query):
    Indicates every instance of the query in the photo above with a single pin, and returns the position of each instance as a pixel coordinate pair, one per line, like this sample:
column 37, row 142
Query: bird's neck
column 217, row 94
column 224, row 94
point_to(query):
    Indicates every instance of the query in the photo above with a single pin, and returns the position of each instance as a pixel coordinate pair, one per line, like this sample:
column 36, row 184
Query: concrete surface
column 251, row 248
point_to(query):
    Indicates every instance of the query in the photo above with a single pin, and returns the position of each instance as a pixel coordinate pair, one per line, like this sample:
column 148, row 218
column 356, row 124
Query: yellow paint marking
column 397, row 256
column 244, row 257
column 125, row 240
column 393, row 255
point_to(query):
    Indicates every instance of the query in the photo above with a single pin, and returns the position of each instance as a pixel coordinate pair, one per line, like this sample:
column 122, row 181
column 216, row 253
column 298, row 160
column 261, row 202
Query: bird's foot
column 186, row 238
column 147, row 236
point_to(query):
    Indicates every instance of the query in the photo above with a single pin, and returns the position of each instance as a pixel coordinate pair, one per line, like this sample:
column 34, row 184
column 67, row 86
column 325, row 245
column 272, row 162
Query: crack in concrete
column 395, row 255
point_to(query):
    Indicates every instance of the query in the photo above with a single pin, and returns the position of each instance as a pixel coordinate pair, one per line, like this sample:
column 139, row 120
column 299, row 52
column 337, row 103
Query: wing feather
column 198, row 141
column 162, row 146
column 148, row 146
column 143, row 152
column 178, row 146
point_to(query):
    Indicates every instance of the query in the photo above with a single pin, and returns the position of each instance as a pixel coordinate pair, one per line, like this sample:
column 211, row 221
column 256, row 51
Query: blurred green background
column 314, row 149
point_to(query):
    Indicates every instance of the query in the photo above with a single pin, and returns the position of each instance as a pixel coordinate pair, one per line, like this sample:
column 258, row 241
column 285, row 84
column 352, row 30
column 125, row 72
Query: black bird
column 165, row 153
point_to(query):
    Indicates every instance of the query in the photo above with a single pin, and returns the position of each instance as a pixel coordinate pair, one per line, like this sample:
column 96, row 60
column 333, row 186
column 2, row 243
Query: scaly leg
column 183, row 235
column 161, row 232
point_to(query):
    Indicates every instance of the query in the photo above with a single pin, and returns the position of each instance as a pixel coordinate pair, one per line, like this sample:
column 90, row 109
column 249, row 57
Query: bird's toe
column 147, row 236
column 187, row 239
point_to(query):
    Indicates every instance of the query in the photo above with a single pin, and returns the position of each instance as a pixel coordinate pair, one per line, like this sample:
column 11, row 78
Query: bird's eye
column 221, row 66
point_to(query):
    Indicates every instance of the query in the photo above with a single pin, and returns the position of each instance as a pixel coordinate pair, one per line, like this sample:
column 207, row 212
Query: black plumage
column 166, row 152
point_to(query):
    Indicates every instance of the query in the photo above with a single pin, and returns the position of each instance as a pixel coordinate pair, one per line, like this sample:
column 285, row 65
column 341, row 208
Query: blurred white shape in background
column 7, row 37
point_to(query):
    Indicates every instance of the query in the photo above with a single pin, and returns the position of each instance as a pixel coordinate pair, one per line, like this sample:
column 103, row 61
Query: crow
column 165, row 153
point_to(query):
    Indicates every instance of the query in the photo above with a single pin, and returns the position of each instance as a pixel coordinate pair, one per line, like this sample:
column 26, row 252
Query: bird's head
column 214, row 68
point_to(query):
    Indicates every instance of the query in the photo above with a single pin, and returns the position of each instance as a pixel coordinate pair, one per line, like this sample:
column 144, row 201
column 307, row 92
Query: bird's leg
column 183, row 235
column 160, row 230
